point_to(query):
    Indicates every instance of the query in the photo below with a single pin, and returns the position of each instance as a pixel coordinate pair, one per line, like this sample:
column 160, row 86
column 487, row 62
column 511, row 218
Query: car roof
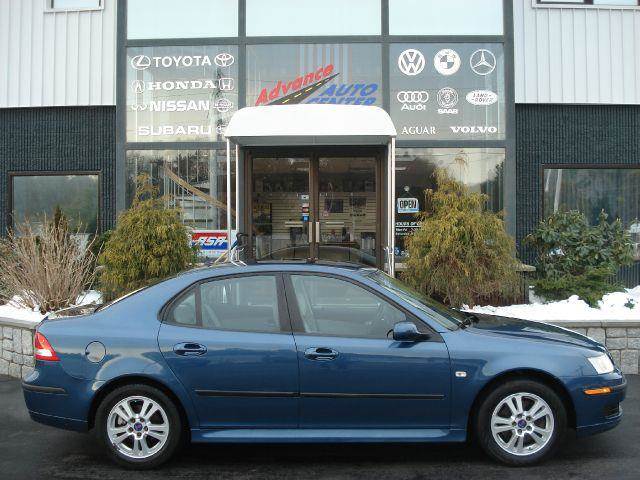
column 319, row 266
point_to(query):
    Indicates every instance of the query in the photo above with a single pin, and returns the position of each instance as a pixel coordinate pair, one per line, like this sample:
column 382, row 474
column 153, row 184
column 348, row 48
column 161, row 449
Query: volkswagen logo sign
column 413, row 97
column 447, row 61
column 137, row 86
column 140, row 62
column 222, row 105
column 411, row 62
column 483, row 62
column 224, row 59
column 447, row 97
column 226, row 84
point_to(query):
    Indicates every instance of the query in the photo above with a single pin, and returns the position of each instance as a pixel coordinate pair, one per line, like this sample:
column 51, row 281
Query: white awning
column 311, row 124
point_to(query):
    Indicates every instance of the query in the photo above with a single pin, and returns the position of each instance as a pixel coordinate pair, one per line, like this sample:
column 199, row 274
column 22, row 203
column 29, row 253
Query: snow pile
column 13, row 309
column 613, row 306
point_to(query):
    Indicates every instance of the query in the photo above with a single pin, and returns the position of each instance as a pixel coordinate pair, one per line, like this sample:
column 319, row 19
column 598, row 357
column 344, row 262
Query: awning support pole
column 392, row 222
column 228, row 199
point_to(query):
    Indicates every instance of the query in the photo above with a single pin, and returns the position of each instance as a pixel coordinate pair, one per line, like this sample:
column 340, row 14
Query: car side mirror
column 408, row 332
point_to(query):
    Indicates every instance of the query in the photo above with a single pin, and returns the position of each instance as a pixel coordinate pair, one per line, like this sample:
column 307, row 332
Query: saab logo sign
column 210, row 240
column 408, row 205
column 482, row 97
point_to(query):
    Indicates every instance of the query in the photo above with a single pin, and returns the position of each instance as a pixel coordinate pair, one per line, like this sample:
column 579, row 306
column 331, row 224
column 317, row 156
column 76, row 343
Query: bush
column 575, row 258
column 461, row 254
column 148, row 244
column 46, row 269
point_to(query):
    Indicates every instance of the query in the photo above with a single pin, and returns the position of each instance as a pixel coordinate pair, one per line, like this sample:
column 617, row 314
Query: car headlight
column 602, row 363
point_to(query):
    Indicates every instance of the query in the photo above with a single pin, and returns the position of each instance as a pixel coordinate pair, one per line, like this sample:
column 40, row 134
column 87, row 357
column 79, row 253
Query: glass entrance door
column 347, row 224
column 280, row 208
column 324, row 207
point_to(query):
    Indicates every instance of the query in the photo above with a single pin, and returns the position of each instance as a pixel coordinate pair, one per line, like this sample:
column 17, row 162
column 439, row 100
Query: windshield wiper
column 469, row 319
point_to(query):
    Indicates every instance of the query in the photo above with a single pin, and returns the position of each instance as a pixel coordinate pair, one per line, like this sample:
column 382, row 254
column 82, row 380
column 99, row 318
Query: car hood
column 514, row 327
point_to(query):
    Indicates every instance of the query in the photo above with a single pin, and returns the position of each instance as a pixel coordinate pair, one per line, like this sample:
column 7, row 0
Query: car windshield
column 445, row 316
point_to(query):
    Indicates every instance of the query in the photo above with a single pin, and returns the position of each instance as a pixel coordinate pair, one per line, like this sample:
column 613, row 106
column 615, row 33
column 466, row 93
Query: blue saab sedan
column 300, row 352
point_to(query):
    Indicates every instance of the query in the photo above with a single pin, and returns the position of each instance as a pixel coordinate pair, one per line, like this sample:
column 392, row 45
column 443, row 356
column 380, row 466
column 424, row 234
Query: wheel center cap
column 137, row 426
column 522, row 423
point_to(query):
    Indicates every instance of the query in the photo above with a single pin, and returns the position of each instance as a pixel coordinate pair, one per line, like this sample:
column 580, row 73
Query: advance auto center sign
column 330, row 74
column 185, row 93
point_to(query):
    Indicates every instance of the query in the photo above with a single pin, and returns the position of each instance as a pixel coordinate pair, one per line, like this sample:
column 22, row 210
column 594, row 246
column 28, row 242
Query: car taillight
column 43, row 349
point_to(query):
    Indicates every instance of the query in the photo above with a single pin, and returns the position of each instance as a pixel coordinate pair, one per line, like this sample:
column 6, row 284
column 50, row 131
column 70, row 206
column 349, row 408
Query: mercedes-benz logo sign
column 447, row 97
column 137, row 86
column 483, row 62
column 447, row 61
column 411, row 62
column 223, row 105
column 413, row 97
column 224, row 59
column 140, row 62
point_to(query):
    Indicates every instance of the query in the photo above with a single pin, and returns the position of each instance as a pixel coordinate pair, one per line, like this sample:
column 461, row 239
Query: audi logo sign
column 413, row 96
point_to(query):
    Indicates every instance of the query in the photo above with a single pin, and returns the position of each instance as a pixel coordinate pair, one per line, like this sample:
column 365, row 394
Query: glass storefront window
column 448, row 91
column 329, row 17
column 192, row 181
column 591, row 190
column 481, row 169
column 35, row 197
column 329, row 73
column 180, row 93
column 181, row 19
column 445, row 17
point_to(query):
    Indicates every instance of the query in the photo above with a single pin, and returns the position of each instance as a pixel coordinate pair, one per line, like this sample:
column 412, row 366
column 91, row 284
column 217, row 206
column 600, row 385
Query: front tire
column 521, row 422
column 139, row 425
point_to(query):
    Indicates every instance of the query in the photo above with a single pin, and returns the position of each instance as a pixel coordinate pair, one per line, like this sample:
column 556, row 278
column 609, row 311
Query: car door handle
column 189, row 349
column 320, row 353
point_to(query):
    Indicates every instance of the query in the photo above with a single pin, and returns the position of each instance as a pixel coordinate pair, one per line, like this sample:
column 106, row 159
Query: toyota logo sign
column 224, row 59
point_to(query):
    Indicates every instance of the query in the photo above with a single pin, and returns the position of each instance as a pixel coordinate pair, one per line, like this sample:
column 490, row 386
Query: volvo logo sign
column 483, row 62
column 411, row 62
column 140, row 62
column 447, row 61
column 224, row 59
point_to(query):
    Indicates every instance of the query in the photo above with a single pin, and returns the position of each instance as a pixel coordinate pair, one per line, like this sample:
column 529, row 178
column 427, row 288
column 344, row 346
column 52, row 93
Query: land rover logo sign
column 224, row 59
column 482, row 97
column 408, row 205
column 140, row 62
column 411, row 62
column 447, row 62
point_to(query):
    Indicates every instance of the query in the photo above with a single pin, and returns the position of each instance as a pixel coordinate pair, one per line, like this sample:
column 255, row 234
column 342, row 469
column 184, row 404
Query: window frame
column 298, row 325
column 50, row 173
column 584, row 4
column 49, row 7
column 284, row 318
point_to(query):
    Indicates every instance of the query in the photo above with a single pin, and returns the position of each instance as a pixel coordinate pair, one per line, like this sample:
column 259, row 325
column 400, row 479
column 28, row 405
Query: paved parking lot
column 29, row 450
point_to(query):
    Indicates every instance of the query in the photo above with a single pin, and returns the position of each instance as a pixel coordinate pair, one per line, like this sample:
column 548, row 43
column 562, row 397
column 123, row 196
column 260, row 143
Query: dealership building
column 534, row 103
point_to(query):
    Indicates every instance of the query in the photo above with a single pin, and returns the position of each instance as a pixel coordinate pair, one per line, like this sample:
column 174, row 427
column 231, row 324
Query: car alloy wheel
column 522, row 424
column 137, row 427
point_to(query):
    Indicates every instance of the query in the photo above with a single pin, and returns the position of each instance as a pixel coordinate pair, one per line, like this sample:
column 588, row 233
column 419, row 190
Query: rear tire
column 139, row 425
column 521, row 422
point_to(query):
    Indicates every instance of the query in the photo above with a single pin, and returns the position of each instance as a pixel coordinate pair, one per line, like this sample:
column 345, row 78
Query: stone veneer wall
column 16, row 347
column 622, row 338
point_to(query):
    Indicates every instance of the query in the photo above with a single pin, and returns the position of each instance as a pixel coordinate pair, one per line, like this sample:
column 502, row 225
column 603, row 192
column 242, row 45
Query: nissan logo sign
column 418, row 96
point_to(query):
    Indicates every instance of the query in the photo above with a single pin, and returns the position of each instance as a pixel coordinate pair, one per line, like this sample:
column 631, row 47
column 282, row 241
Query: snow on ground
column 13, row 309
column 611, row 307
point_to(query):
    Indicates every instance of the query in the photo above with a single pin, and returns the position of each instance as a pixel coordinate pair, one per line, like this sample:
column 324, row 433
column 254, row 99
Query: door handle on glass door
column 317, row 232
column 320, row 353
